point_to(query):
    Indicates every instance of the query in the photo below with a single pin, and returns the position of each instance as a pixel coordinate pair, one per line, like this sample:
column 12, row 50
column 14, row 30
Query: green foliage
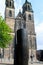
column 5, row 37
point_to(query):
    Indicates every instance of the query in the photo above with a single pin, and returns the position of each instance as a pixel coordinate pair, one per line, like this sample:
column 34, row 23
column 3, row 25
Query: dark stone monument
column 21, row 51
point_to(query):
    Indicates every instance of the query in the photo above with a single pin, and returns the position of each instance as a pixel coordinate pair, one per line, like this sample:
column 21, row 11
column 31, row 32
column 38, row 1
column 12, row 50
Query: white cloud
column 2, row 7
column 39, row 35
column 39, row 28
column 18, row 6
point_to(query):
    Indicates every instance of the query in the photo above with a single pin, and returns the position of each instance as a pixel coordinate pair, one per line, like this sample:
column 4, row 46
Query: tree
column 5, row 36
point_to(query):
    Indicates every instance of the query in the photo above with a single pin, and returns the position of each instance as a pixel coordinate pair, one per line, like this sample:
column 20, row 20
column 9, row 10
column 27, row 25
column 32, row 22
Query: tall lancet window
column 10, row 3
column 29, row 17
column 7, row 4
column 10, row 13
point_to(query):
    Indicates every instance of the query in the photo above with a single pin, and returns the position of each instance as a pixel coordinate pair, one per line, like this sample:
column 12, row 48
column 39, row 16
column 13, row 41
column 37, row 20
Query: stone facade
column 26, row 20
column 23, row 20
column 10, row 21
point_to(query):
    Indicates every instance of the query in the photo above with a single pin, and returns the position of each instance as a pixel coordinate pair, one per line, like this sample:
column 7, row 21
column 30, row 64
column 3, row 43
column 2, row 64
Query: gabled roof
column 19, row 16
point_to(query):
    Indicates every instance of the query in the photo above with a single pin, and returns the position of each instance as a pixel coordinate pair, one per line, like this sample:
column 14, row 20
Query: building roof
column 19, row 16
column 26, row 2
column 27, row 6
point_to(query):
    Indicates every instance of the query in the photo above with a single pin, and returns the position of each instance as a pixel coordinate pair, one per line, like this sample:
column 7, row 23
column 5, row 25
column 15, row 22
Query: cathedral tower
column 28, row 15
column 10, row 21
column 10, row 13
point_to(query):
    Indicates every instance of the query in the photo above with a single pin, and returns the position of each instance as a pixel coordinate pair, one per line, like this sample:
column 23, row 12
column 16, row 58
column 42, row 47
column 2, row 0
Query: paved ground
column 35, row 63
column 29, row 64
column 10, row 62
column 5, row 64
column 6, row 61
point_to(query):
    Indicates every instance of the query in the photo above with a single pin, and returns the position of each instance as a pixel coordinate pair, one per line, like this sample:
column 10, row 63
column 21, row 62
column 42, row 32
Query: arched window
column 28, row 7
column 6, row 3
column 34, row 43
column 10, row 3
column 29, row 17
column 10, row 13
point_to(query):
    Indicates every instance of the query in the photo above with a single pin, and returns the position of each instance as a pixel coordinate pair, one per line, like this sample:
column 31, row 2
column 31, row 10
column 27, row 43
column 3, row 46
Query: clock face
column 10, row 13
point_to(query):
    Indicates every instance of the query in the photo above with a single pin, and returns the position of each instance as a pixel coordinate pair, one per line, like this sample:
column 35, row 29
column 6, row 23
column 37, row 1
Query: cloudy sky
column 37, row 6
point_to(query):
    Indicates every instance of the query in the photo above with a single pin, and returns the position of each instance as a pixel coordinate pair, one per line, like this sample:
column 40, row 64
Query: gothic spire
column 27, row 6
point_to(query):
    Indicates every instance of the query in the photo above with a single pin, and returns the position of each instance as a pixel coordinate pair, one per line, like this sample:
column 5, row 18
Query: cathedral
column 24, row 19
